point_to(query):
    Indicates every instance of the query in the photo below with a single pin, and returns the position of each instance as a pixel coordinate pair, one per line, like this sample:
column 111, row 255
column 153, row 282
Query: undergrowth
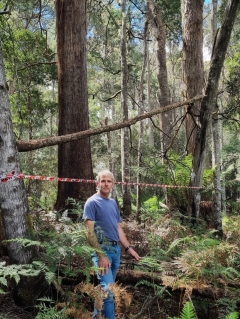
column 188, row 312
column 184, row 258
column 197, row 260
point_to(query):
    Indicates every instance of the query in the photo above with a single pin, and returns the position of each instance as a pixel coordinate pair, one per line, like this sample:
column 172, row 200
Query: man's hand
column 133, row 253
column 104, row 264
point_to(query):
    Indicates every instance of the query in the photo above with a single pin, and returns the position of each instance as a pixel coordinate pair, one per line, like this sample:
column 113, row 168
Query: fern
column 24, row 242
column 16, row 271
column 50, row 313
column 150, row 263
column 187, row 312
column 232, row 315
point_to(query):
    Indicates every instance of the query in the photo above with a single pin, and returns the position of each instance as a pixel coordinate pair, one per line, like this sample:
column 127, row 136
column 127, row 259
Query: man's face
column 105, row 185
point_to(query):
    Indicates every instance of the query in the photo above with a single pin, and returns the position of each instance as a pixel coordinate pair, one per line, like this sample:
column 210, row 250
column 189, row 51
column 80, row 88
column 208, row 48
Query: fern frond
column 149, row 262
column 232, row 315
column 188, row 311
column 178, row 241
column 24, row 242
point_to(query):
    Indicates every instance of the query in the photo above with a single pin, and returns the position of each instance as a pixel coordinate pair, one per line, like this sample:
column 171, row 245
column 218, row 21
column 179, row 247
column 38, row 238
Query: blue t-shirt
column 105, row 213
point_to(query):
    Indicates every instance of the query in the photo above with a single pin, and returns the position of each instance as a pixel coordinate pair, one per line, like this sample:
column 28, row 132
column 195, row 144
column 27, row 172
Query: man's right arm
column 103, row 262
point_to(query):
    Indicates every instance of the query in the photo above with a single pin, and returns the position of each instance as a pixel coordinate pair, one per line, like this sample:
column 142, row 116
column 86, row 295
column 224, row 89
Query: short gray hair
column 105, row 173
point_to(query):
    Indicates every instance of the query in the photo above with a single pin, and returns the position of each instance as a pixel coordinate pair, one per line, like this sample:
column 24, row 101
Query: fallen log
column 135, row 276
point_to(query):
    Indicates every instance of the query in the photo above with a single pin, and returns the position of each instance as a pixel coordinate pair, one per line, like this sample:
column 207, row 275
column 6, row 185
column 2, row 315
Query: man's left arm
column 124, row 241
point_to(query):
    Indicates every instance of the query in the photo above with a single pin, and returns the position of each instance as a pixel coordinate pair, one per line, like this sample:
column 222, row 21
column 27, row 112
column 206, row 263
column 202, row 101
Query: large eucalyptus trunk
column 13, row 199
column 193, row 72
column 125, row 156
column 208, row 104
column 74, row 158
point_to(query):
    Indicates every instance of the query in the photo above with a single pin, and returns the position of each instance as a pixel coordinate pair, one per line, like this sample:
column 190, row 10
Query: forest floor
column 143, row 304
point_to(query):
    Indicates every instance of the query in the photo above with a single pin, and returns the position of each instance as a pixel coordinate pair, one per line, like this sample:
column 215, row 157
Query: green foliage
column 149, row 263
column 171, row 14
column 77, row 208
column 197, row 259
column 189, row 313
column 232, row 86
column 31, row 75
column 177, row 172
column 46, row 312
column 227, row 306
column 68, row 244
column 168, row 237
column 64, row 245
column 151, row 210
column 210, row 262
column 233, row 315
column 16, row 271
column 231, row 226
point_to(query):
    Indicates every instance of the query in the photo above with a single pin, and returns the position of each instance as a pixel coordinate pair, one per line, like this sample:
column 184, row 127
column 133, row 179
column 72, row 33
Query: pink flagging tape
column 13, row 176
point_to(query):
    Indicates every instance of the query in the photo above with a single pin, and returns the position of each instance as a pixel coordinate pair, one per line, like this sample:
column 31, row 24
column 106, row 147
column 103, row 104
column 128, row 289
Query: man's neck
column 103, row 195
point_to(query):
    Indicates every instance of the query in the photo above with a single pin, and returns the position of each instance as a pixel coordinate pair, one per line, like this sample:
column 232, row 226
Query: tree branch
column 25, row 146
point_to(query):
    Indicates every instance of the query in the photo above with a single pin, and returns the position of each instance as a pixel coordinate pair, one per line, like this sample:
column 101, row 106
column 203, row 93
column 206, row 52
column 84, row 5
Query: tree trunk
column 193, row 76
column 125, row 156
column 13, row 200
column 149, row 102
column 74, row 159
column 164, row 94
column 217, row 194
column 141, row 124
column 208, row 104
column 111, row 159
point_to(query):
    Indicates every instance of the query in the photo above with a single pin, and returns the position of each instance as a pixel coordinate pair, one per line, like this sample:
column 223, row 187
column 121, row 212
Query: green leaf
column 3, row 281
column 232, row 315
column 188, row 311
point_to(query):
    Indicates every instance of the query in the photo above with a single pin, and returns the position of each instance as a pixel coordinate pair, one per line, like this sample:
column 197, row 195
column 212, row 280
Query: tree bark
column 141, row 124
column 13, row 199
column 74, row 159
column 217, row 194
column 164, row 94
column 125, row 155
column 208, row 104
column 193, row 75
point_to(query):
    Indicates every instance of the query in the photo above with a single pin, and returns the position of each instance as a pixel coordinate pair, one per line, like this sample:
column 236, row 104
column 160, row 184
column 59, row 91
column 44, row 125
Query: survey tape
column 14, row 176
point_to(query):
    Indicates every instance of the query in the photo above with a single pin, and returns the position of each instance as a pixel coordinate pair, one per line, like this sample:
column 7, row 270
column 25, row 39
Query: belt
column 109, row 242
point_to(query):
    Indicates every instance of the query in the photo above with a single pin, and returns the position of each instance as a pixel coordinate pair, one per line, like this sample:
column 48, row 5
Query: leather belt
column 109, row 242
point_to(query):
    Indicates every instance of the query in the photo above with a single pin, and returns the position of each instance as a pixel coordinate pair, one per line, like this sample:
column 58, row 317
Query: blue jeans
column 113, row 254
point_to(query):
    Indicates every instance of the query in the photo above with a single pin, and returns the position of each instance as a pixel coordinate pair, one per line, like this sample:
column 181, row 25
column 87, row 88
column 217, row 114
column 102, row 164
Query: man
column 103, row 230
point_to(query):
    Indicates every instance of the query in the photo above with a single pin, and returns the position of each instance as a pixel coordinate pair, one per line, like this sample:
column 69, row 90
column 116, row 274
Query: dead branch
column 25, row 146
